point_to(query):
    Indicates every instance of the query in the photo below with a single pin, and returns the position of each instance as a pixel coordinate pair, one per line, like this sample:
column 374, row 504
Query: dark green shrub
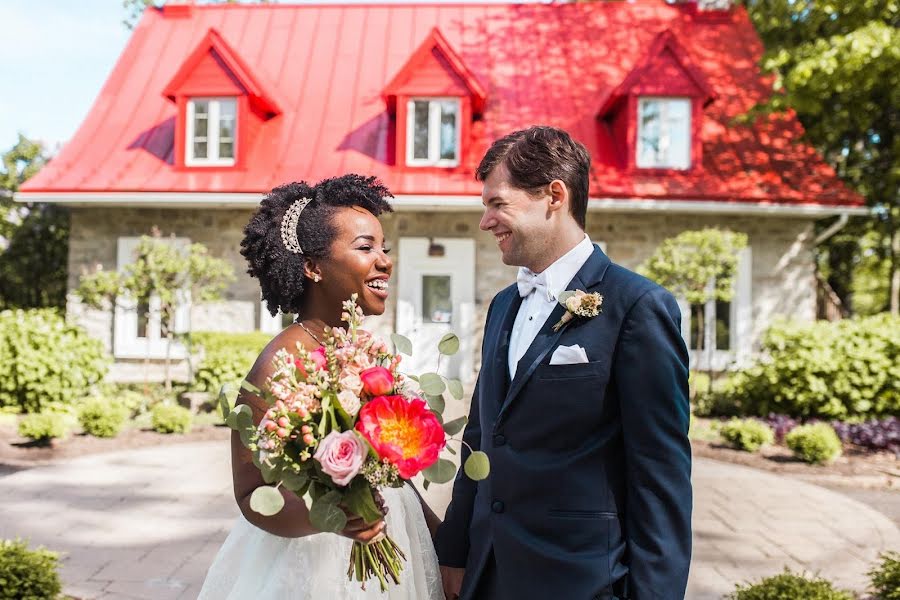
column 170, row 418
column 103, row 417
column 747, row 434
column 886, row 577
column 227, row 357
column 28, row 574
column 43, row 427
column 816, row 443
column 846, row 369
column 789, row 586
column 45, row 360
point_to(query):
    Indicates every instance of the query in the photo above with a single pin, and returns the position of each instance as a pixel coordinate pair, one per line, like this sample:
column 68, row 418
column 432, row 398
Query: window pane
column 226, row 128
column 723, row 326
column 648, row 143
column 201, row 149
column 200, row 126
column 448, row 130
column 420, row 129
column 226, row 149
column 143, row 310
column 664, row 133
column 437, row 306
column 677, row 126
column 697, row 314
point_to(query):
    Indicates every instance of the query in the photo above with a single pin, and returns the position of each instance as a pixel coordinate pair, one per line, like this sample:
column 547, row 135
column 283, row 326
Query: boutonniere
column 579, row 304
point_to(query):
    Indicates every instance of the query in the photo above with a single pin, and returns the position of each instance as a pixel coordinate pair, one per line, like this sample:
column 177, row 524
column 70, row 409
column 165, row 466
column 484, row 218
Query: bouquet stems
column 382, row 559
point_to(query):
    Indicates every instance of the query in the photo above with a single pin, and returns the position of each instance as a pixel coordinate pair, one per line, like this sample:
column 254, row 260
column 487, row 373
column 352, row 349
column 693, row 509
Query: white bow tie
column 529, row 282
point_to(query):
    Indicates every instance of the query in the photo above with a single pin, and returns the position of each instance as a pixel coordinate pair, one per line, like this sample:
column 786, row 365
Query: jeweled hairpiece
column 289, row 225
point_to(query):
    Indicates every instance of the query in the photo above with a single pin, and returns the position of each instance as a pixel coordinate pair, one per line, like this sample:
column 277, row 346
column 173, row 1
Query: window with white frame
column 432, row 132
column 211, row 131
column 664, row 133
column 138, row 325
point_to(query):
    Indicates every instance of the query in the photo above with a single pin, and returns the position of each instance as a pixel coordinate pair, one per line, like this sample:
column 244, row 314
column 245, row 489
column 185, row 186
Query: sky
column 56, row 56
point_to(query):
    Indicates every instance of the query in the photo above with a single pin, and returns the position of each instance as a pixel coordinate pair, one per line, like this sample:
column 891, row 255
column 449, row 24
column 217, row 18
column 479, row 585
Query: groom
column 589, row 495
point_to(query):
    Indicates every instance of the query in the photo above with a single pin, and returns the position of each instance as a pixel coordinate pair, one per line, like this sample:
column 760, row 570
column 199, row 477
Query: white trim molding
column 443, row 203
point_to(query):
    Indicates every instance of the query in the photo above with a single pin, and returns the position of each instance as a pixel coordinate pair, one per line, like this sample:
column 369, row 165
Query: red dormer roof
column 329, row 65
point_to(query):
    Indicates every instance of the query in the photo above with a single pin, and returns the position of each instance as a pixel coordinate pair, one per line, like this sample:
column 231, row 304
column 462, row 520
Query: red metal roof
column 327, row 67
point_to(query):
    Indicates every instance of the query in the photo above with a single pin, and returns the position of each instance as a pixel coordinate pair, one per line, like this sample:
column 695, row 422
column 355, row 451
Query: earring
column 316, row 278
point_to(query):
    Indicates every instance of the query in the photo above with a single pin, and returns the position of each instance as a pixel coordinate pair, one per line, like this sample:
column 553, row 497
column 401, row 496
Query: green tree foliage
column 34, row 238
column 837, row 64
column 135, row 8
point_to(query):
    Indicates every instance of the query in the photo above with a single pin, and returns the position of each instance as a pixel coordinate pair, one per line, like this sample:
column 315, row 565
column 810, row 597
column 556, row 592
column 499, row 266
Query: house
column 211, row 106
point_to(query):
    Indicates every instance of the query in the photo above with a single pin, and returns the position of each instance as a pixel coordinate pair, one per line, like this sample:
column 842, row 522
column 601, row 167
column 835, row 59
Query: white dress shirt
column 542, row 299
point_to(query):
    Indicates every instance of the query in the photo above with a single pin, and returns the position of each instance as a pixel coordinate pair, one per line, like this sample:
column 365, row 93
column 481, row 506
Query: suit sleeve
column 651, row 374
column 452, row 538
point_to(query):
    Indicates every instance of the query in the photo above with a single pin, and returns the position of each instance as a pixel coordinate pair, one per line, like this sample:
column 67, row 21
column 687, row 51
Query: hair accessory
column 289, row 225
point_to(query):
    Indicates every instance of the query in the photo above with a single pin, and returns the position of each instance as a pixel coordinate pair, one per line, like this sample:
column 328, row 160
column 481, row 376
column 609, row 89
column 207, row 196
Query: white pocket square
column 569, row 355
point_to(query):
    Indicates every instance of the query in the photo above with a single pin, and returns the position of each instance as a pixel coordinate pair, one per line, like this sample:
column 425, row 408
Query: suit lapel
column 498, row 365
column 590, row 274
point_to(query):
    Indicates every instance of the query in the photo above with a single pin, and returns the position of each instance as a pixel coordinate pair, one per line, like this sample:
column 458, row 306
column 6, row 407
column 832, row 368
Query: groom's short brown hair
column 536, row 156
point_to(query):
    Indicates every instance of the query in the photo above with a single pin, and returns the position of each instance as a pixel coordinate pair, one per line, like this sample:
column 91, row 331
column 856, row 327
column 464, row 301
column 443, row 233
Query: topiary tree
column 697, row 266
column 165, row 272
column 789, row 586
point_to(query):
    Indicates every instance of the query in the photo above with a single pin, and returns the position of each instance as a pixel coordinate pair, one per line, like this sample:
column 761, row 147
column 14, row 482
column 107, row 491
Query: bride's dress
column 253, row 564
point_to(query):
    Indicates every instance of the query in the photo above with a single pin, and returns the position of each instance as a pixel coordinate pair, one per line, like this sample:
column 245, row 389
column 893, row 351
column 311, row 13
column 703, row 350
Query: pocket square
column 569, row 355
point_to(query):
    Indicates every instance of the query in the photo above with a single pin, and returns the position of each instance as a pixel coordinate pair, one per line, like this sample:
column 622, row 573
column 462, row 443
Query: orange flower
column 403, row 432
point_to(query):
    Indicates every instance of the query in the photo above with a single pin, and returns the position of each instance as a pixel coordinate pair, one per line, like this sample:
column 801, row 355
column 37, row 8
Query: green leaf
column 456, row 388
column 270, row 473
column 360, row 501
column 478, row 466
column 249, row 387
column 436, row 403
column 563, row 296
column 240, row 417
column 425, row 484
column 450, row 449
column 247, row 434
column 440, row 472
column 402, row 345
column 224, row 404
column 266, row 501
column 449, row 344
column 294, row 481
column 432, row 384
column 455, row 426
column 325, row 515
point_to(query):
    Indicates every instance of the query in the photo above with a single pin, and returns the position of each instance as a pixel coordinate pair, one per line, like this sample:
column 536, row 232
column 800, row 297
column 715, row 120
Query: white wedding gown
column 255, row 565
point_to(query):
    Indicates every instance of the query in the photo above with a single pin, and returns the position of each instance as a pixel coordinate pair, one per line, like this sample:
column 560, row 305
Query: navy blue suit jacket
column 590, row 463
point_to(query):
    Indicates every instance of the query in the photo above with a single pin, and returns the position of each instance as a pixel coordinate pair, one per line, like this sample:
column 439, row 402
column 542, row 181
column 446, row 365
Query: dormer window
column 211, row 130
column 664, row 133
column 432, row 132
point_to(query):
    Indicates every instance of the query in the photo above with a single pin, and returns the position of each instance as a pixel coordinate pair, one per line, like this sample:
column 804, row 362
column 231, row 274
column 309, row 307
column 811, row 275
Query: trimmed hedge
column 886, row 577
column 227, row 357
column 816, row 443
column 43, row 427
column 28, row 574
column 103, row 417
column 789, row 586
column 170, row 418
column 747, row 434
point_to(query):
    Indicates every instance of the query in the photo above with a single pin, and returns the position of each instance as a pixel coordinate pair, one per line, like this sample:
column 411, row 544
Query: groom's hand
column 452, row 578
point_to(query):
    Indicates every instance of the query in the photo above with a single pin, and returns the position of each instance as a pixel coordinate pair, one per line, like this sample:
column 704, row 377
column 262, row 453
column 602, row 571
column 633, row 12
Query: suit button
column 499, row 439
column 497, row 506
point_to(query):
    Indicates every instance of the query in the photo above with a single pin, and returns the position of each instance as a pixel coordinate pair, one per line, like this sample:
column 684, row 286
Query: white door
column 436, row 283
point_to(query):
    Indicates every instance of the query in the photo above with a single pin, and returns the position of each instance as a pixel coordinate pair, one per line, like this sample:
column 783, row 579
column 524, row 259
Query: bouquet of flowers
column 342, row 423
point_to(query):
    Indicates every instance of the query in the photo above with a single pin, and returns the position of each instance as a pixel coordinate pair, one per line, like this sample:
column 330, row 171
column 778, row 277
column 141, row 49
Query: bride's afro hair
column 280, row 271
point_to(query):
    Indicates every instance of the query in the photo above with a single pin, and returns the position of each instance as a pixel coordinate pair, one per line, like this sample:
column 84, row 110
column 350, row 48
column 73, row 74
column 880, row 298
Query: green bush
column 227, row 357
column 28, row 574
column 103, row 417
column 747, row 434
column 170, row 418
column 789, row 586
column 816, row 443
column 43, row 427
column 842, row 370
column 886, row 577
column 44, row 359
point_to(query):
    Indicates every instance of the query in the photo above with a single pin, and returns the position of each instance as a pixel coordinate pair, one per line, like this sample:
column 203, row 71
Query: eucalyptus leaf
column 239, row 417
column 360, row 501
column 402, row 345
column 247, row 435
column 432, row 384
column 294, row 481
column 449, row 344
column 249, row 387
column 327, row 516
column 450, row 449
column 224, row 404
column 455, row 426
column 440, row 472
column 478, row 466
column 270, row 473
column 266, row 501
column 436, row 403
column 563, row 296
column 456, row 388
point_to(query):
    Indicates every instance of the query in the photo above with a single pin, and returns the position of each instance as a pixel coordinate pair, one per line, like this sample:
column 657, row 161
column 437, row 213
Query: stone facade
column 781, row 276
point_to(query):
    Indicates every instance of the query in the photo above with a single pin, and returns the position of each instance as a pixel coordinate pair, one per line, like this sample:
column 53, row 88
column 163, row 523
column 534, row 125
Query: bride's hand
column 360, row 531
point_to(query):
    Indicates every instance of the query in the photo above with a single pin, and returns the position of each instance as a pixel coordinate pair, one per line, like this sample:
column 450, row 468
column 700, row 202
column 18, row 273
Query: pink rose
column 377, row 381
column 318, row 357
column 341, row 456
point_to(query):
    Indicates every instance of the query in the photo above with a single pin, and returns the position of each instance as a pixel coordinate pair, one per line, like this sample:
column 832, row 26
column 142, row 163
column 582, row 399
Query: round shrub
column 43, row 427
column 103, row 417
column 28, row 574
column 170, row 418
column 886, row 577
column 747, row 434
column 44, row 360
column 789, row 586
column 227, row 357
column 816, row 443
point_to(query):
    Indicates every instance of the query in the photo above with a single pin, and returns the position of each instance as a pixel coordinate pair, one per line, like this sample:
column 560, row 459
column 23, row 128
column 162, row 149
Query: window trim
column 690, row 134
column 434, row 133
column 212, row 138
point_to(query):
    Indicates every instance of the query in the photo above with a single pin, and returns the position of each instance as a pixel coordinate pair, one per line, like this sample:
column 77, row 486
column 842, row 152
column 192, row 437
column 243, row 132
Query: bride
column 335, row 250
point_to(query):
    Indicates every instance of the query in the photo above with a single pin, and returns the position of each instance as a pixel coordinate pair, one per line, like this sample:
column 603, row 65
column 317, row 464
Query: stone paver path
column 147, row 523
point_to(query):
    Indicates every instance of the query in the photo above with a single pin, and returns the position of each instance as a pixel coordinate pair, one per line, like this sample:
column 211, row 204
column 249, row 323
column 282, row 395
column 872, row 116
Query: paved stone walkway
column 147, row 523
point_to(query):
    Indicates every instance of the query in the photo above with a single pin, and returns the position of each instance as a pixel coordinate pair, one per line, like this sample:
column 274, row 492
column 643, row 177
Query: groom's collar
column 594, row 269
